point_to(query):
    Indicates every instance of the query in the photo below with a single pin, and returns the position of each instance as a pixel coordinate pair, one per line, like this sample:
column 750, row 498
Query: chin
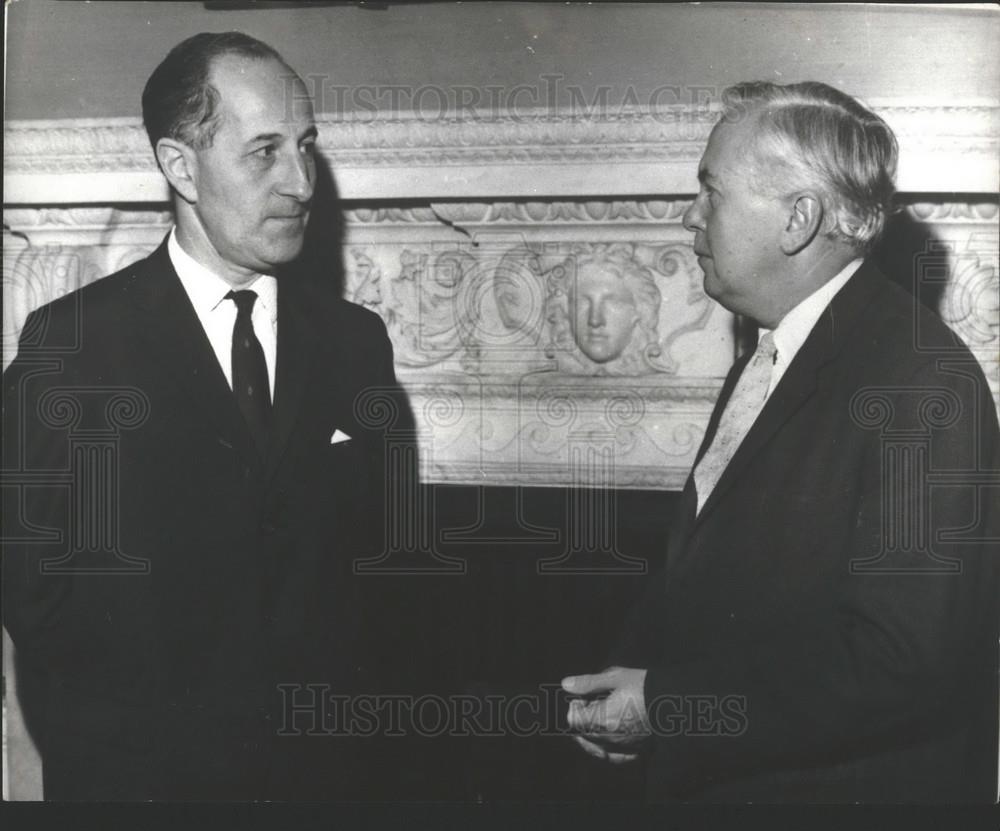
column 600, row 357
column 284, row 254
column 710, row 287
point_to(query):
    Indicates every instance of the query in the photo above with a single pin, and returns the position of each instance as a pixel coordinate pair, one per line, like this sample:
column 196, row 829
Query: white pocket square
column 339, row 436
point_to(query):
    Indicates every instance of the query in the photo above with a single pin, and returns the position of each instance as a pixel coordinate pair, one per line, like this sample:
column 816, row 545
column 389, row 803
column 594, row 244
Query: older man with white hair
column 826, row 626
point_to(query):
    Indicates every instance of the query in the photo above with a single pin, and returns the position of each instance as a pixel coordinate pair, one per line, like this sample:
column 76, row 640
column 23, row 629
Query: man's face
column 737, row 227
column 254, row 184
column 603, row 314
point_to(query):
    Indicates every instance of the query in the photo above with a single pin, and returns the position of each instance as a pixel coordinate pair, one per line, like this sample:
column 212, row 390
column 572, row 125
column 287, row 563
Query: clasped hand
column 609, row 719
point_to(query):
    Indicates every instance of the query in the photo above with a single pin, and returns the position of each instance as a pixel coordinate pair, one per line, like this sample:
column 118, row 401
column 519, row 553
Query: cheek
column 220, row 221
column 721, row 242
column 713, row 230
column 622, row 317
column 227, row 205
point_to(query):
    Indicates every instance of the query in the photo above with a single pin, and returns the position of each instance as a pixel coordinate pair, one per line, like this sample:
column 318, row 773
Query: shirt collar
column 793, row 329
column 207, row 290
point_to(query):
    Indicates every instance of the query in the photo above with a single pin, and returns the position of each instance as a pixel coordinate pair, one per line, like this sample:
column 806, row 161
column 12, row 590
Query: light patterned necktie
column 741, row 411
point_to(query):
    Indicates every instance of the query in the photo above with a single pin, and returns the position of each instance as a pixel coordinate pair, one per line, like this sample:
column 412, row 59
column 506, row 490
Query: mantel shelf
column 525, row 155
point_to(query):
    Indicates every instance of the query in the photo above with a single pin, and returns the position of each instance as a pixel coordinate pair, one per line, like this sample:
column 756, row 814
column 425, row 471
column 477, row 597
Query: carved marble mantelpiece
column 493, row 268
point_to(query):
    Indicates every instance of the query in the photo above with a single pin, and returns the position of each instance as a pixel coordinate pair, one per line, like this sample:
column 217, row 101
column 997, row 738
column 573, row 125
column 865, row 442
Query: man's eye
column 265, row 152
column 308, row 148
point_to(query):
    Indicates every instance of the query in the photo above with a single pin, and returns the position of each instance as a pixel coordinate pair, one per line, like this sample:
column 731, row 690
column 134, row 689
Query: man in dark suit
column 826, row 626
column 205, row 459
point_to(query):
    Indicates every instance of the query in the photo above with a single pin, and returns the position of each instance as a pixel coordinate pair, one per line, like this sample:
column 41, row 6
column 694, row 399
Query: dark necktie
column 250, row 383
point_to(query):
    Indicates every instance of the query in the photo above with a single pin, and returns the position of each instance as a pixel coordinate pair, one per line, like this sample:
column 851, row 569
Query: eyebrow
column 309, row 133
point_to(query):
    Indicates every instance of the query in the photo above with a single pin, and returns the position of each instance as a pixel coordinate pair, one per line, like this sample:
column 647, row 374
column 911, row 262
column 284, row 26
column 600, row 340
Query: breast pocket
column 350, row 456
column 344, row 452
column 345, row 463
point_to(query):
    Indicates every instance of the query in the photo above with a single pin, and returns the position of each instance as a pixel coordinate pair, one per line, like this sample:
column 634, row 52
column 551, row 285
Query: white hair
column 825, row 140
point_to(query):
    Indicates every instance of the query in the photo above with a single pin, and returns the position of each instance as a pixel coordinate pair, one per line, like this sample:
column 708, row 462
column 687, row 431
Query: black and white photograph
column 477, row 404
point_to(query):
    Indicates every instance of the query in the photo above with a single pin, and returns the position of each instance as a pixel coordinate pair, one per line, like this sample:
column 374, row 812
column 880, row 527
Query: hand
column 614, row 726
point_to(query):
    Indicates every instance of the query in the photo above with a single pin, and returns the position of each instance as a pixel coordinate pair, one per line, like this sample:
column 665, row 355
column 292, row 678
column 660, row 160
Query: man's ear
column 805, row 218
column 180, row 166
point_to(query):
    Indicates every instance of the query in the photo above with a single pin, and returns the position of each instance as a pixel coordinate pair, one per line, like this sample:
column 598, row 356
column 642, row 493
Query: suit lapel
column 798, row 383
column 171, row 330
column 682, row 525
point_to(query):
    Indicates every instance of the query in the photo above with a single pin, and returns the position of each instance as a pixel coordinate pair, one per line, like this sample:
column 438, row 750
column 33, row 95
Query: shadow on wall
column 323, row 252
column 907, row 253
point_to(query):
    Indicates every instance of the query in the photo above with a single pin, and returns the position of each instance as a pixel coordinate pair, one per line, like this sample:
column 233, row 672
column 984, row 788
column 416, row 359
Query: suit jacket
column 163, row 577
column 826, row 629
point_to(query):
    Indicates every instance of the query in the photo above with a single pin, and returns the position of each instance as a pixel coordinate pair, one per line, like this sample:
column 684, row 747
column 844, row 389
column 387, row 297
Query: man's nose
column 299, row 177
column 693, row 219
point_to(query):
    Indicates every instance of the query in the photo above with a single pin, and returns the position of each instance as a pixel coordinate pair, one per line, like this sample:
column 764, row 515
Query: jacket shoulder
column 902, row 331
column 98, row 304
column 104, row 289
column 358, row 316
column 326, row 305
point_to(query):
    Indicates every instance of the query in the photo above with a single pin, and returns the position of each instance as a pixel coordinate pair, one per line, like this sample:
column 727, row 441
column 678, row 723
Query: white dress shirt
column 795, row 326
column 207, row 292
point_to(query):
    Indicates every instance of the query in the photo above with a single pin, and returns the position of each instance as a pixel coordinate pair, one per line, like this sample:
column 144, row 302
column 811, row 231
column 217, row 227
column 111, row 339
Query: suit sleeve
column 394, row 419
column 43, row 612
column 903, row 650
